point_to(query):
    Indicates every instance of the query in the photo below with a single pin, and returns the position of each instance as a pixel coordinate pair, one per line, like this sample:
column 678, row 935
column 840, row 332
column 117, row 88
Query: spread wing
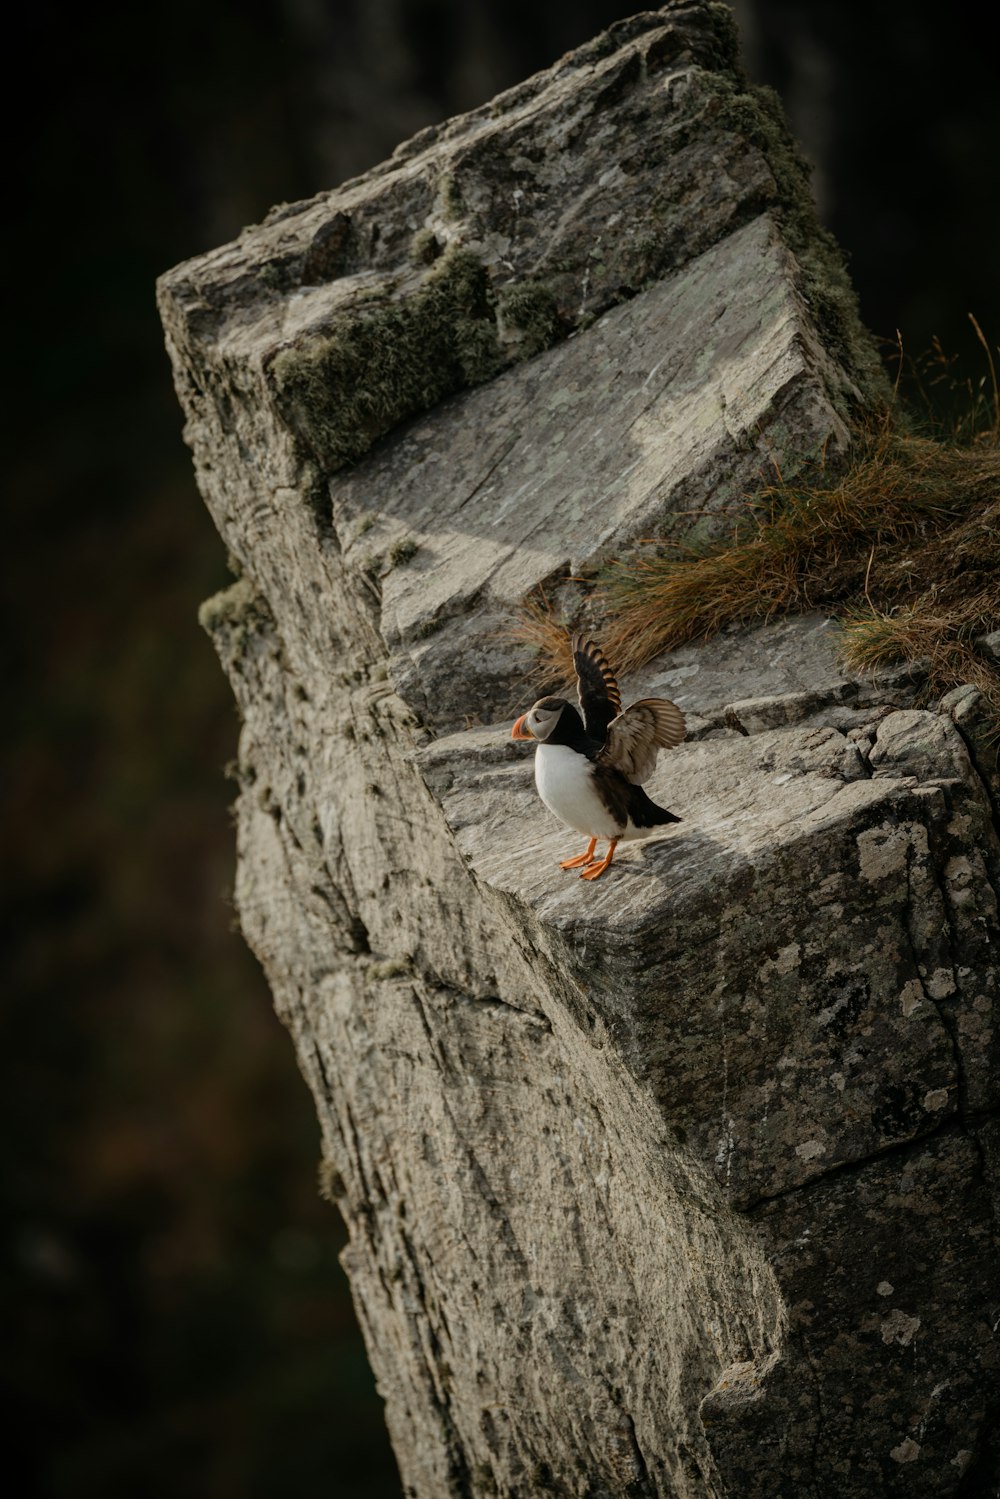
column 599, row 695
column 635, row 736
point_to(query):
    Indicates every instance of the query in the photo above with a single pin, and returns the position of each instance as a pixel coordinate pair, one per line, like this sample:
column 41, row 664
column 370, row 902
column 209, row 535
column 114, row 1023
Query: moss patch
column 449, row 202
column 403, row 551
column 390, row 968
column 425, row 247
column 372, row 371
column 529, row 318
column 236, row 612
column 238, row 621
column 344, row 391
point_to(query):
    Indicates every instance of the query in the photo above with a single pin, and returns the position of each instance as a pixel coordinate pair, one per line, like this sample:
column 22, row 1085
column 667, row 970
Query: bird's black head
column 552, row 720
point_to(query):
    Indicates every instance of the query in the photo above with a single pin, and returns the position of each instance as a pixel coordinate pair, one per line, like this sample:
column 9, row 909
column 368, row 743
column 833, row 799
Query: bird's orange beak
column 520, row 731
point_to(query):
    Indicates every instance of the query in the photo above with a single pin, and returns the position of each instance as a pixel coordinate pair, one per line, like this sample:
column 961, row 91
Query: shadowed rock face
column 677, row 1183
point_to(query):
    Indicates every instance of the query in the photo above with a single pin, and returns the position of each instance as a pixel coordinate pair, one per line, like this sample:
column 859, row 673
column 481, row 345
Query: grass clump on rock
column 902, row 543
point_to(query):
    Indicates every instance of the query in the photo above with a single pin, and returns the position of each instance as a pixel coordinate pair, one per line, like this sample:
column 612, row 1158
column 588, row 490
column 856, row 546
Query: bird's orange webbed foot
column 587, row 858
column 596, row 870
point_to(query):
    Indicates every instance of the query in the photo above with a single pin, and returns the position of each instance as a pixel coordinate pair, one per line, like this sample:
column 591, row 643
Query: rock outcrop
column 678, row 1183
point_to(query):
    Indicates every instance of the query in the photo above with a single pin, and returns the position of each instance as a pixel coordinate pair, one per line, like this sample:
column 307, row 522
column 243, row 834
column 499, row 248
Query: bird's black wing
column 599, row 696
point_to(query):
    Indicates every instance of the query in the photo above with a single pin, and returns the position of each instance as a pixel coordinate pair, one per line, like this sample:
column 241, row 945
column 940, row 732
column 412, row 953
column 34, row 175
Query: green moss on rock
column 391, row 968
column 344, row 391
column 372, row 371
column 425, row 247
column 239, row 622
column 403, row 551
column 529, row 318
column 236, row 609
column 450, row 203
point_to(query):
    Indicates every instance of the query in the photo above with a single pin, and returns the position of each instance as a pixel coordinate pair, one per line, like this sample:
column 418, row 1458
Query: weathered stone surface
column 668, row 410
column 888, row 1371
column 678, row 1183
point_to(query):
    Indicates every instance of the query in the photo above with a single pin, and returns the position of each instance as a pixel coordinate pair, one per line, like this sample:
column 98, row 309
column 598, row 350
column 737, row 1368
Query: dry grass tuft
column 539, row 627
column 907, row 516
column 903, row 541
column 942, row 642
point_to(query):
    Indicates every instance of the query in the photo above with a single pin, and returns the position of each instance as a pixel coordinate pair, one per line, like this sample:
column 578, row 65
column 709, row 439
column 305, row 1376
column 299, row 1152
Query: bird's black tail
column 645, row 813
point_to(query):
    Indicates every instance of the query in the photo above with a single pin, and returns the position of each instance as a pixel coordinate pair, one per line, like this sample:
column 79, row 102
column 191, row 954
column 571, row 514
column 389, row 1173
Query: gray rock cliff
column 683, row 1182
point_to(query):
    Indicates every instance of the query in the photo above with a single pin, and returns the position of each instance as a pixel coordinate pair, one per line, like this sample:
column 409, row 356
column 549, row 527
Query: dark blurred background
column 175, row 1319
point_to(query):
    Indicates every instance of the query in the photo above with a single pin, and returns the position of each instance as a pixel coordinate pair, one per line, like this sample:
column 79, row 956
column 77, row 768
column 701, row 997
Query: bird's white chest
column 565, row 783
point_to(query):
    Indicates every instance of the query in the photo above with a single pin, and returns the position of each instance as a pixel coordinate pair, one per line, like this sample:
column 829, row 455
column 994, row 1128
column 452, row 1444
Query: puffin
column 589, row 770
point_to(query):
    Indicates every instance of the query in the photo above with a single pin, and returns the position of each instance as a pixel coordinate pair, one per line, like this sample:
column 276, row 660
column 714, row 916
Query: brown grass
column 539, row 627
column 942, row 642
column 907, row 516
column 903, row 542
